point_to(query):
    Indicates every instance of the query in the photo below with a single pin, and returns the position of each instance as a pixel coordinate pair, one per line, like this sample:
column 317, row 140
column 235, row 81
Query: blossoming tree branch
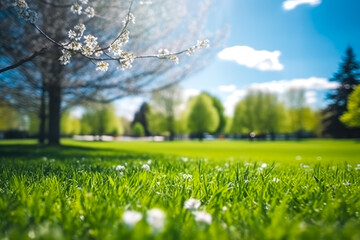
column 87, row 45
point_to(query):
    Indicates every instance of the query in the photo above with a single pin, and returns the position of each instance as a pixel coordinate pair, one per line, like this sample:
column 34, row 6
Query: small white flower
column 84, row 1
column 103, row 66
column 187, row 176
column 71, row 34
column 76, row 46
column 246, row 181
column 203, row 43
column 224, row 208
column 357, row 167
column 131, row 218
column 156, row 219
column 129, row 18
column 146, row 167
column 203, row 217
column 191, row 50
column 163, row 53
column 192, row 204
column 174, row 59
column 149, row 161
column 126, row 59
column 276, row 180
column 264, row 165
column 119, row 168
column 90, row 40
column 346, row 183
column 65, row 58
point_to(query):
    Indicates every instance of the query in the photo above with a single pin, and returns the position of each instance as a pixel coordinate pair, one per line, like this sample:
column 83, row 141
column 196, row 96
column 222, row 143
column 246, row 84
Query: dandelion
column 192, row 204
column 146, row 167
column 156, row 219
column 103, row 66
column 203, row 217
column 131, row 218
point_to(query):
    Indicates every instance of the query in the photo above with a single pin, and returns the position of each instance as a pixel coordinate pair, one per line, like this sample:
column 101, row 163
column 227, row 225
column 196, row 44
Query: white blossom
column 79, row 29
column 84, row 1
column 87, row 51
column 21, row 3
column 192, row 204
column 125, row 61
column 65, row 58
column 163, row 53
column 90, row 12
column 203, row 43
column 76, row 8
column 156, row 219
column 71, row 34
column 91, row 41
column 174, row 59
column 191, row 50
column 76, row 46
column 203, row 217
column 129, row 18
column 131, row 218
column 146, row 167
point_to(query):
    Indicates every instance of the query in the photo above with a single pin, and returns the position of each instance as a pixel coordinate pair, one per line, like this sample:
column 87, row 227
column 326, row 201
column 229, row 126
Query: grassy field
column 140, row 190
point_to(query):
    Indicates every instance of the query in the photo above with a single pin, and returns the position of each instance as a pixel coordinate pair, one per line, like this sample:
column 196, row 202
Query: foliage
column 69, row 124
column 352, row 116
column 348, row 77
column 53, row 196
column 203, row 116
column 220, row 110
column 100, row 119
column 138, row 130
column 10, row 119
column 140, row 117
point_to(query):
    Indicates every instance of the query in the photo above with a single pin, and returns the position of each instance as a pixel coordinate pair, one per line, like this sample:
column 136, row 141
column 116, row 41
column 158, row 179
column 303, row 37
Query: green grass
column 75, row 192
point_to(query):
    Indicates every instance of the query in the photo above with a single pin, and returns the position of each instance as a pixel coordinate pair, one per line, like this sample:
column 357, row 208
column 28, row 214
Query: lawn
column 140, row 190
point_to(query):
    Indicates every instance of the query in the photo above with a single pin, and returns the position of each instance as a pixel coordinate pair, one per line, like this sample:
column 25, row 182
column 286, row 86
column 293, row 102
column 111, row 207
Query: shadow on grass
column 26, row 151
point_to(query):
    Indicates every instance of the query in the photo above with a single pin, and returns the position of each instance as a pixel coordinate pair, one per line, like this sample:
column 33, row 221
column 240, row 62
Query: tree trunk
column 54, row 114
column 42, row 116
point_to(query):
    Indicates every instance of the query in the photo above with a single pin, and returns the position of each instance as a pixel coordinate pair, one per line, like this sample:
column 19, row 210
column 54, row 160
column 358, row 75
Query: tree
column 348, row 78
column 140, row 117
column 258, row 112
column 68, row 85
column 351, row 117
column 138, row 130
column 100, row 119
column 164, row 106
column 296, row 103
column 69, row 124
column 203, row 116
column 220, row 110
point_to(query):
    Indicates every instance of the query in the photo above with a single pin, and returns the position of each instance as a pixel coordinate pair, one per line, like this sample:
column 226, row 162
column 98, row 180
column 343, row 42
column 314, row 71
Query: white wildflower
column 90, row 12
column 276, row 180
column 187, row 176
column 264, row 165
column 119, row 168
column 203, row 217
column 149, row 161
column 192, row 204
column 156, row 219
column 131, row 218
column 224, row 208
column 76, row 8
column 357, row 167
column 246, row 181
column 146, row 167
column 346, row 183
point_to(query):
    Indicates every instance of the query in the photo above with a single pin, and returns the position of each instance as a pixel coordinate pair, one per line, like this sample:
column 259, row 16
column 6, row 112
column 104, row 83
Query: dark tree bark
column 42, row 116
column 54, row 114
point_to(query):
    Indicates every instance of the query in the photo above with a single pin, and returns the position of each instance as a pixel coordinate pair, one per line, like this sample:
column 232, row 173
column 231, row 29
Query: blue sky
column 278, row 44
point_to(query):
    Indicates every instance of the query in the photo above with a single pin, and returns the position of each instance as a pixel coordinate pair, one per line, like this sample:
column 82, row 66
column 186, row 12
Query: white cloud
column 190, row 92
column 311, row 85
column 262, row 60
column 227, row 88
column 128, row 106
column 292, row 4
